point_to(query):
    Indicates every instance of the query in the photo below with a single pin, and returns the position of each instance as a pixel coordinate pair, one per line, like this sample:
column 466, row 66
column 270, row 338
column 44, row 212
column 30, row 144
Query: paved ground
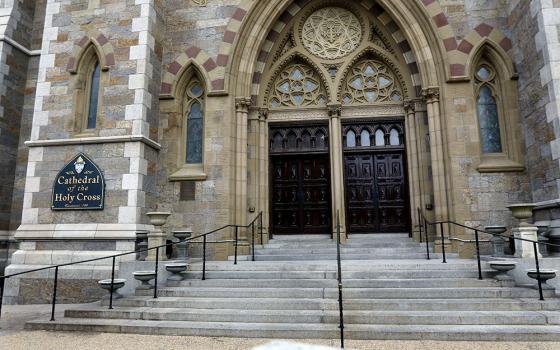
column 13, row 337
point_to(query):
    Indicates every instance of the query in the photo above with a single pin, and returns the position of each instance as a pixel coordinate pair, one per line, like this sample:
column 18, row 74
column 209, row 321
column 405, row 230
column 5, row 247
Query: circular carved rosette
column 331, row 33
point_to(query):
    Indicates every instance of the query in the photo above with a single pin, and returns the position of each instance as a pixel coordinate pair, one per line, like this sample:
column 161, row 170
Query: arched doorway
column 333, row 97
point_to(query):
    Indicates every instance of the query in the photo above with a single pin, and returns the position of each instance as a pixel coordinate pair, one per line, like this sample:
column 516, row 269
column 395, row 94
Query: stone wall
column 16, row 17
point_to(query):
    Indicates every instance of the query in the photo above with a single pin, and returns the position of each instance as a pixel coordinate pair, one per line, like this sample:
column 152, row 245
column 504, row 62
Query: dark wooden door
column 300, row 180
column 375, row 181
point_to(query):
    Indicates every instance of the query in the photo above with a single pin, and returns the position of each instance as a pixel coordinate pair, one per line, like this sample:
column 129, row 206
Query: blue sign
column 79, row 186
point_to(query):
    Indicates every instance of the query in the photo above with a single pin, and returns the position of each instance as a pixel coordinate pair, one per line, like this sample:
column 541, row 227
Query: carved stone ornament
column 200, row 2
column 331, row 33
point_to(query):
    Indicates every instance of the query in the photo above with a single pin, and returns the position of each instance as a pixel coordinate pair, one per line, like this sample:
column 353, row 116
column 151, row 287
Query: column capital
column 410, row 107
column 431, row 94
column 335, row 110
column 263, row 114
column 242, row 104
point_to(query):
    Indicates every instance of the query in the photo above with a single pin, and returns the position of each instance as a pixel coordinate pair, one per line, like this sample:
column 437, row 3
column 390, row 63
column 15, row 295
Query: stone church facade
column 308, row 111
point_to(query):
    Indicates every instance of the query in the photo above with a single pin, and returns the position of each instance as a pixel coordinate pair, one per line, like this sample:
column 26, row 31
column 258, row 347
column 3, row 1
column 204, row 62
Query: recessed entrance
column 300, row 180
column 375, row 180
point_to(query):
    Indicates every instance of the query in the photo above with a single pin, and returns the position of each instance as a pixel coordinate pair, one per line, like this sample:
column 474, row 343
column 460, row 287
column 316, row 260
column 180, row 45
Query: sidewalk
column 14, row 337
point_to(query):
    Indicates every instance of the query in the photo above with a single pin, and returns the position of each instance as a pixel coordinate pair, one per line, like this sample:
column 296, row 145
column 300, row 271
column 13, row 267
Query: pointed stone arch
column 484, row 35
column 290, row 57
column 191, row 56
column 103, row 49
column 399, row 69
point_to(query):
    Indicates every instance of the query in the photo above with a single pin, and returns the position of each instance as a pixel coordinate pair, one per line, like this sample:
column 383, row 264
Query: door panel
column 300, row 180
column 375, row 181
column 301, row 194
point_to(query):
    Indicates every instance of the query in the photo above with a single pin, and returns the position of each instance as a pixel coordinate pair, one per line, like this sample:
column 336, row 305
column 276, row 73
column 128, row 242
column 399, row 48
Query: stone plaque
column 79, row 186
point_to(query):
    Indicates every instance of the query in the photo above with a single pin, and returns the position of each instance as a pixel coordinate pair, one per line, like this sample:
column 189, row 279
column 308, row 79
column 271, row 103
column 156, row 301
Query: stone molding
column 80, row 231
column 95, row 140
column 20, row 47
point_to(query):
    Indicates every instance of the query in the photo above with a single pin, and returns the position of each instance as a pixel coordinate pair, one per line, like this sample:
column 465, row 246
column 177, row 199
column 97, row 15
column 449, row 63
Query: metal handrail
column 477, row 242
column 115, row 256
column 339, row 263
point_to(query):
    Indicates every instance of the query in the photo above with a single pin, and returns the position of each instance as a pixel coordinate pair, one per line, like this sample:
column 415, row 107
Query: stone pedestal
column 157, row 237
column 524, row 249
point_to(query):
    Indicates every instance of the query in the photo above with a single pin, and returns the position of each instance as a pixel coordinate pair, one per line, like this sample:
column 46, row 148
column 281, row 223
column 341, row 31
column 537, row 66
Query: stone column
column 262, row 158
column 337, row 170
column 432, row 95
column 413, row 169
column 241, row 115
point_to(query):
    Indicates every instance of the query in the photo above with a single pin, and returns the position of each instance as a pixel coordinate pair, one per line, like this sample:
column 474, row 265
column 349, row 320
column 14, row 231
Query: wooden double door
column 300, row 180
column 375, row 178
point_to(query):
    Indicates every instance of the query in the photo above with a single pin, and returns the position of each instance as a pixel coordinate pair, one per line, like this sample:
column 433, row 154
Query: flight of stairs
column 390, row 292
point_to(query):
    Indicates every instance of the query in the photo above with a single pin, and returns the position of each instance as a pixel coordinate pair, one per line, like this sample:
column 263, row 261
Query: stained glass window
column 371, row 81
column 487, row 108
column 298, row 85
column 195, row 123
column 93, row 97
column 489, row 121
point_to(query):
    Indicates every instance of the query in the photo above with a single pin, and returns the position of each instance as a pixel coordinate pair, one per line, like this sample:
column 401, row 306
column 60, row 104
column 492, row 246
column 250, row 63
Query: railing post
column 339, row 263
column 419, row 213
column 156, row 273
column 427, row 238
column 2, row 282
column 236, row 237
column 204, row 258
column 478, row 254
column 442, row 242
column 261, row 227
column 112, row 284
column 253, row 240
column 538, row 270
column 54, row 292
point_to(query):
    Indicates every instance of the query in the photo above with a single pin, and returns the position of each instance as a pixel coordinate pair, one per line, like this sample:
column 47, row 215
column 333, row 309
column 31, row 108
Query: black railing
column 441, row 224
column 157, row 250
column 339, row 275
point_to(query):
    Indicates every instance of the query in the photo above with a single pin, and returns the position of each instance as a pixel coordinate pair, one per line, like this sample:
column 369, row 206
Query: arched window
column 350, row 139
column 87, row 92
column 379, row 138
column 394, row 138
column 487, row 108
column 93, row 96
column 365, row 138
column 497, row 112
column 194, row 120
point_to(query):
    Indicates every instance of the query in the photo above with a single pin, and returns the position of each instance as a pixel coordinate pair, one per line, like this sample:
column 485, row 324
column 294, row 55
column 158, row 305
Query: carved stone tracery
column 331, row 33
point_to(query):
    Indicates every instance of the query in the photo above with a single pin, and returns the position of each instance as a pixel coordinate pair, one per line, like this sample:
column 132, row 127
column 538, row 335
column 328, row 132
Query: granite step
column 332, row 274
column 351, row 293
column 304, row 330
column 496, row 304
column 321, row 316
column 331, row 283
